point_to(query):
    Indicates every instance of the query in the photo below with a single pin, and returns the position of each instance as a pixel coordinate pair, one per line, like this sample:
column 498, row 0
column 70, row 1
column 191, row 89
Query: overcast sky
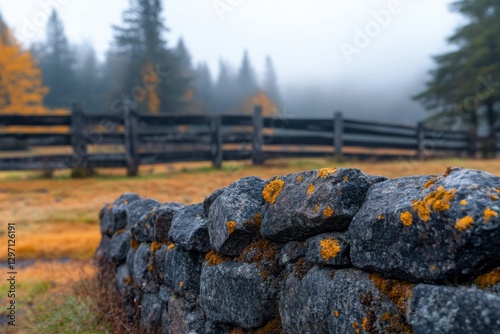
column 368, row 56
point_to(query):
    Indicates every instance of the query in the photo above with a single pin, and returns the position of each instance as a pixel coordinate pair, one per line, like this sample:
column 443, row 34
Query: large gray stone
column 291, row 252
column 119, row 247
column 189, row 229
column 183, row 316
column 125, row 286
column 139, row 208
column 234, row 215
column 441, row 309
column 210, row 199
column 340, row 301
column 151, row 310
column 426, row 228
column 142, row 269
column 302, row 205
column 102, row 254
column 155, row 224
column 233, row 293
column 114, row 216
column 329, row 249
column 182, row 270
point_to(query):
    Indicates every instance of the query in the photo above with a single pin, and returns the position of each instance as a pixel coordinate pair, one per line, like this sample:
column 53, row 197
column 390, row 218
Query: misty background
column 303, row 39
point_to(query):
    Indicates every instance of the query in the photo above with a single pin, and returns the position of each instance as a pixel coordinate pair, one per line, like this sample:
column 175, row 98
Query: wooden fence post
column 257, row 138
column 131, row 142
column 78, row 141
column 420, row 141
column 338, row 131
column 216, row 141
column 472, row 141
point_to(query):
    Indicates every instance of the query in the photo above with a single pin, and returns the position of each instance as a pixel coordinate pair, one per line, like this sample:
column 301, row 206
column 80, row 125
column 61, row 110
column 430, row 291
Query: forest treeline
column 140, row 68
column 143, row 68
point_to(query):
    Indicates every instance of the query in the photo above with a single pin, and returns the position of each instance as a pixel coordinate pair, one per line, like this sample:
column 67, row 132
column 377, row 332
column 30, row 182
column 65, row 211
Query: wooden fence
column 134, row 139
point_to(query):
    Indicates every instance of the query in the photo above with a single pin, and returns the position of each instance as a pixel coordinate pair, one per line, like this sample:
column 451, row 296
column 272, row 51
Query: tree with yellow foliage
column 21, row 89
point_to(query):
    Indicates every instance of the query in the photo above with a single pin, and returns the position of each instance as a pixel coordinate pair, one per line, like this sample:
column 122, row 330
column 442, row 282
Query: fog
column 363, row 57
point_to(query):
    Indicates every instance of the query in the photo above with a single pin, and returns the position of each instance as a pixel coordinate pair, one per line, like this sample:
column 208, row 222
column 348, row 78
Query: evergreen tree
column 464, row 86
column 152, row 74
column 184, row 58
column 247, row 82
column 56, row 60
column 227, row 91
column 204, row 90
column 89, row 79
column 271, row 82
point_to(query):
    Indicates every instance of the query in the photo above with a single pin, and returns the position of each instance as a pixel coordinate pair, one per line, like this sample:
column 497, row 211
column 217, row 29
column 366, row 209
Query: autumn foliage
column 21, row 89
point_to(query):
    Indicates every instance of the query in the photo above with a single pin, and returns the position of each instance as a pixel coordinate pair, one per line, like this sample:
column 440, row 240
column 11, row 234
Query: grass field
column 58, row 229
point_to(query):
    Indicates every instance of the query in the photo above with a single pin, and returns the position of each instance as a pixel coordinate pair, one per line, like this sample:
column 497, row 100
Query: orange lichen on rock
column 310, row 189
column 364, row 324
column 134, row 244
column 489, row 279
column 324, row 172
column 433, row 267
column 299, row 178
column 259, row 250
column 380, row 217
column 272, row 327
column 329, row 248
column 493, row 197
column 316, row 208
column 272, row 190
column 355, row 326
column 463, row 202
column 438, row 200
column 181, row 284
column 464, row 223
column 171, row 246
column 213, row 258
column 488, row 213
column 336, row 312
column 448, row 171
column 328, row 212
column 399, row 292
column 406, row 218
column 231, row 226
column 430, row 183
column 345, row 178
column 150, row 267
column 155, row 246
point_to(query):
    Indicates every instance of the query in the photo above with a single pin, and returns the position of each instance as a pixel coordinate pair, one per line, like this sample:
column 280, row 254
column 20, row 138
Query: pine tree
column 227, row 92
column 247, row 82
column 21, row 89
column 271, row 83
column 89, row 79
column 204, row 90
column 57, row 60
column 151, row 73
column 464, row 86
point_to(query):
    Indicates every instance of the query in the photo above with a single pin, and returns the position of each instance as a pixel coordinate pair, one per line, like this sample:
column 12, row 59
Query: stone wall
column 325, row 251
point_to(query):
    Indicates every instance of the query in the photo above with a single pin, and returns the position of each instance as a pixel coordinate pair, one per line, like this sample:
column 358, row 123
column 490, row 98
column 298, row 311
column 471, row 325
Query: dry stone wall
column 325, row 251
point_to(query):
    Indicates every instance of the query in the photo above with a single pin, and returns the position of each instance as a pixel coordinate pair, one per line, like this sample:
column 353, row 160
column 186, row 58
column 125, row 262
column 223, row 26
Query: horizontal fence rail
column 134, row 139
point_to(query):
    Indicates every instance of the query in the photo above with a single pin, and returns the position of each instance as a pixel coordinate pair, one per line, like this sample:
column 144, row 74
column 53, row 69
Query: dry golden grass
column 58, row 217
